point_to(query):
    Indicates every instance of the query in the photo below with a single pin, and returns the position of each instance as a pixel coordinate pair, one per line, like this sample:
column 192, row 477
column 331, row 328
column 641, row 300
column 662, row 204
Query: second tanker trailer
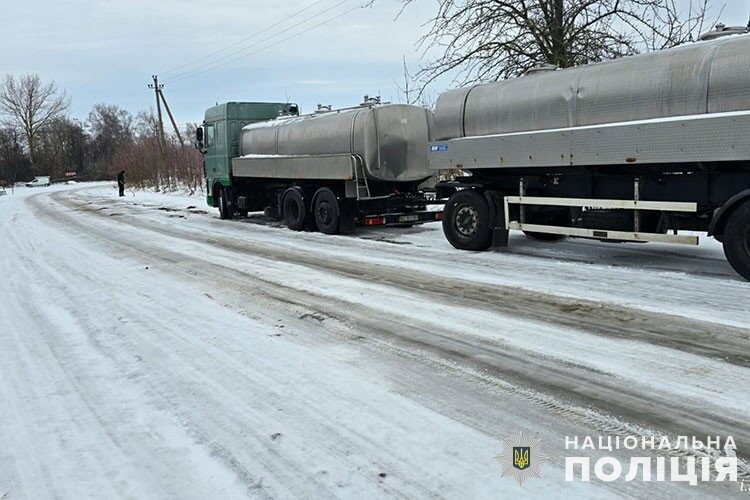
column 634, row 149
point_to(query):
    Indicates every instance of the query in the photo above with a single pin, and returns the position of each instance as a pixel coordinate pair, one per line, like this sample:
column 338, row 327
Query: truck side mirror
column 199, row 139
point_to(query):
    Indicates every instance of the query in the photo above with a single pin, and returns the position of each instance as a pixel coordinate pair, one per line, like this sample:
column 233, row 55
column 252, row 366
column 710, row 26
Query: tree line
column 39, row 137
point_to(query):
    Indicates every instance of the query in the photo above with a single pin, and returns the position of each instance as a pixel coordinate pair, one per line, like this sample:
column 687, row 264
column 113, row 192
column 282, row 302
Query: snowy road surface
column 150, row 350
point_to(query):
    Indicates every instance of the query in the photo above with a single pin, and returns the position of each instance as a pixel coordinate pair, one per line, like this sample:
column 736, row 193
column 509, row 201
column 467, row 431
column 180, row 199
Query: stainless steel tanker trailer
column 634, row 149
column 327, row 171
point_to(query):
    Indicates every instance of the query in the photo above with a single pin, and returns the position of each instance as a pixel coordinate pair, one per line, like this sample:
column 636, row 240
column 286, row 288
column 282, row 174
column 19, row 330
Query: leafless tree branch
column 497, row 39
column 31, row 105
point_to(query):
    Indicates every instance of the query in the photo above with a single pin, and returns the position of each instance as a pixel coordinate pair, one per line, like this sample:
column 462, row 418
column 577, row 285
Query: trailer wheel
column 294, row 209
column 737, row 240
column 466, row 221
column 327, row 211
column 225, row 212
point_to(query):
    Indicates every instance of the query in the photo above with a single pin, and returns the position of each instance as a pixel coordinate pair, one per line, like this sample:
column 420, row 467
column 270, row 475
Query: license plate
column 408, row 218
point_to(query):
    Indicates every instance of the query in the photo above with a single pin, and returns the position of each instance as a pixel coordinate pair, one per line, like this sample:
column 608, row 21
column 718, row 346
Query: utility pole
column 157, row 90
column 171, row 118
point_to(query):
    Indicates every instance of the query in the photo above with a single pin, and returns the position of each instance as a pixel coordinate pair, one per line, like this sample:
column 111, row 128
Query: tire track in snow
column 211, row 398
column 729, row 344
column 449, row 352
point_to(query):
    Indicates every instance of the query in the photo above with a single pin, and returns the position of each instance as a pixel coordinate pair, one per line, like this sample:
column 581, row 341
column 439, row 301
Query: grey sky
column 106, row 51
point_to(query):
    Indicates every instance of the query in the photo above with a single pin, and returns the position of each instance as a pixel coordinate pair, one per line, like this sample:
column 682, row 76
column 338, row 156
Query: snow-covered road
column 150, row 350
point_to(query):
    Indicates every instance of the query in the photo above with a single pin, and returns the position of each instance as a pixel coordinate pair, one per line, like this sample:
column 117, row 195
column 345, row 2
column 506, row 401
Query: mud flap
column 497, row 210
column 347, row 221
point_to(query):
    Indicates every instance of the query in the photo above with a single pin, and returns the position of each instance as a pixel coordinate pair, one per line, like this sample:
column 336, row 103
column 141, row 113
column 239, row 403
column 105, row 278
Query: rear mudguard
column 719, row 221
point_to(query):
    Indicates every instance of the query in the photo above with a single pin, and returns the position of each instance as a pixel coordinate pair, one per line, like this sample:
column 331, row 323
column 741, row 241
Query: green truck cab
column 219, row 137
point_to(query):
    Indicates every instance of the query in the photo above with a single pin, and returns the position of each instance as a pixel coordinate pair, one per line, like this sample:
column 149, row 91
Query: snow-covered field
column 150, row 350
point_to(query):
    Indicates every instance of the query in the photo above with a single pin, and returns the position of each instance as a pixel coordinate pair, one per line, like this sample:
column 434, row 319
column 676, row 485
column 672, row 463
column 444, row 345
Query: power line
column 266, row 29
column 199, row 69
column 269, row 46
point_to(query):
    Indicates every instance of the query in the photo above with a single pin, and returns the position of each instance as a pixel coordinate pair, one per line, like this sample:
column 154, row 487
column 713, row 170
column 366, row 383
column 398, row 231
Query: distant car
column 38, row 181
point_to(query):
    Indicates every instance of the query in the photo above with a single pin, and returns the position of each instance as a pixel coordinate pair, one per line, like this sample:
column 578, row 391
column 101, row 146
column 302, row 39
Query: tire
column 294, row 209
column 327, row 211
column 737, row 240
column 466, row 221
column 225, row 211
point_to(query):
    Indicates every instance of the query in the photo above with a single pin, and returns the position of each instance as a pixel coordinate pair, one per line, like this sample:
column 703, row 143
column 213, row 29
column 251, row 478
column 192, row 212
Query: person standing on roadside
column 121, row 182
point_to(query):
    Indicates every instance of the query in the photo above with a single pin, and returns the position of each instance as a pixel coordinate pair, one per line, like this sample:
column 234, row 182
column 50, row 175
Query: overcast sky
column 106, row 51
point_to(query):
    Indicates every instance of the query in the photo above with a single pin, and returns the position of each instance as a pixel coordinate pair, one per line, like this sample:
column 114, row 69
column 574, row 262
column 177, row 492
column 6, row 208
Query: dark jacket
column 121, row 178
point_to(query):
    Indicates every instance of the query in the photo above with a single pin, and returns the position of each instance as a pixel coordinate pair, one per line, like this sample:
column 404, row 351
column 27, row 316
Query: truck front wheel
column 466, row 221
column 737, row 240
column 225, row 211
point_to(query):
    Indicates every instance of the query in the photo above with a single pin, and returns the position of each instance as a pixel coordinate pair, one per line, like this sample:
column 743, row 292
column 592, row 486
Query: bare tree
column 31, row 105
column 496, row 39
column 166, row 166
column 111, row 129
column 411, row 95
column 62, row 146
column 405, row 92
column 13, row 162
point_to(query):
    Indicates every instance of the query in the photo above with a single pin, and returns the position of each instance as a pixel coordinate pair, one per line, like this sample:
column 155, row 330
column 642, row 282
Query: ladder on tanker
column 360, row 177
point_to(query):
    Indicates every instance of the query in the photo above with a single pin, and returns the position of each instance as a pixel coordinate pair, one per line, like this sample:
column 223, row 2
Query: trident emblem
column 521, row 457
